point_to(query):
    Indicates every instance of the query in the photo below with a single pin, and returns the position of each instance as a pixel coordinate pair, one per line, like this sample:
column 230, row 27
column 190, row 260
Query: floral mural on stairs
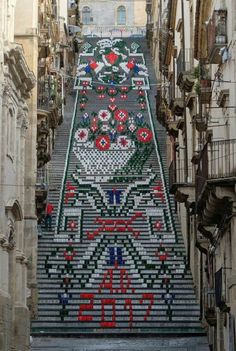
column 115, row 199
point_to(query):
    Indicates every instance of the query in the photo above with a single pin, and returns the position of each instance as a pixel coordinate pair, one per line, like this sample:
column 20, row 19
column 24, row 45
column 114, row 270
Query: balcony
column 215, row 181
column 216, row 35
column 181, row 181
column 50, row 100
column 185, row 79
column 209, row 306
column 205, row 91
column 175, row 101
column 161, row 108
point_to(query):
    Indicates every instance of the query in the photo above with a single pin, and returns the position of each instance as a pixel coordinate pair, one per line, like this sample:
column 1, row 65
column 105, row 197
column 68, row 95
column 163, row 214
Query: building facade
column 117, row 18
column 59, row 39
column 37, row 55
column 193, row 48
column 17, row 172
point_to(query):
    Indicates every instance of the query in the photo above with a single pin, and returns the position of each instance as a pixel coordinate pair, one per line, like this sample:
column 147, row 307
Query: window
column 121, row 15
column 86, row 15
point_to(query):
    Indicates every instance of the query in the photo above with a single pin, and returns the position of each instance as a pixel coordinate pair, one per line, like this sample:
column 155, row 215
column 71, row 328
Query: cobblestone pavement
column 118, row 344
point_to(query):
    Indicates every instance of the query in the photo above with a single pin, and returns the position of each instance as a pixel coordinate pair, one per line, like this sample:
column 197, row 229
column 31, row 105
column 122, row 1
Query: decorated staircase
column 115, row 260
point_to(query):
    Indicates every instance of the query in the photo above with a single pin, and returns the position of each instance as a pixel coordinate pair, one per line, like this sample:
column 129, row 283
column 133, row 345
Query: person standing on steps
column 48, row 215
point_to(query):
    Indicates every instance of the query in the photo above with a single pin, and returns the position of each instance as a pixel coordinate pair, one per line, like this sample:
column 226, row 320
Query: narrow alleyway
column 114, row 262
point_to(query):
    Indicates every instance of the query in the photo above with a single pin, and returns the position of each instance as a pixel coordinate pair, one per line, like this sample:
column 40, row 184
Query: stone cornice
column 23, row 78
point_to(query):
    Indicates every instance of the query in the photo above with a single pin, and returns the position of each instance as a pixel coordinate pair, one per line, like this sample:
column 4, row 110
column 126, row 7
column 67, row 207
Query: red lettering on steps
column 148, row 297
column 125, row 281
column 86, row 307
column 107, row 282
column 128, row 305
column 112, row 323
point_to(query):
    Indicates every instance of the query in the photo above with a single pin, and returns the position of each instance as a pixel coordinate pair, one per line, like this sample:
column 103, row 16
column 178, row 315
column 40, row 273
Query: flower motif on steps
column 94, row 128
column 120, row 128
column 103, row 142
column 124, row 142
column 104, row 115
column 132, row 127
column 144, row 135
column 112, row 57
column 81, row 135
column 93, row 64
column 121, row 115
column 112, row 108
column 105, row 127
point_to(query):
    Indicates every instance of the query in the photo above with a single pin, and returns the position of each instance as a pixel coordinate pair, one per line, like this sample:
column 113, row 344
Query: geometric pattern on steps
column 116, row 262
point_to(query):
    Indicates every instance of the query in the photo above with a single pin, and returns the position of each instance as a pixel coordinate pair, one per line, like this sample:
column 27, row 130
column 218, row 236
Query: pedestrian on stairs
column 48, row 215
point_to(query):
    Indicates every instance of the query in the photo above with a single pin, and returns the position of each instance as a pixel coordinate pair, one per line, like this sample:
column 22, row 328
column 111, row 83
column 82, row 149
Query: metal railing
column 217, row 29
column 209, row 297
column 222, row 159
column 202, row 171
column 178, row 173
column 173, row 93
column 217, row 161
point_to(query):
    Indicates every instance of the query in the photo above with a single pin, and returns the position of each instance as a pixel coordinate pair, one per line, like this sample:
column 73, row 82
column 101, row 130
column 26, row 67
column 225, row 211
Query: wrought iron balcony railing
column 179, row 175
column 216, row 35
column 217, row 161
column 185, row 61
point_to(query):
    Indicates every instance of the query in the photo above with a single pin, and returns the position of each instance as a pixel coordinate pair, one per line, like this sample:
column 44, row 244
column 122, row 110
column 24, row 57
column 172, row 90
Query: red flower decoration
column 72, row 225
column 162, row 255
column 121, row 115
column 139, row 82
column 124, row 89
column 123, row 97
column 103, row 142
column 141, row 92
column 142, row 106
column 112, row 107
column 94, row 128
column 93, row 64
column 101, row 88
column 158, row 225
column 112, row 57
column 144, row 135
column 131, row 64
column 120, row 128
column 112, row 91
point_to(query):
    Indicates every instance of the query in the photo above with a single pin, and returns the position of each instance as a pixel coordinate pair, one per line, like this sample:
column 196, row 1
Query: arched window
column 86, row 15
column 121, row 15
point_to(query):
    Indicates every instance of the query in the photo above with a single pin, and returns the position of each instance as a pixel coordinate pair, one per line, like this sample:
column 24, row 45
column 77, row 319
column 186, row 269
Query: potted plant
column 203, row 78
